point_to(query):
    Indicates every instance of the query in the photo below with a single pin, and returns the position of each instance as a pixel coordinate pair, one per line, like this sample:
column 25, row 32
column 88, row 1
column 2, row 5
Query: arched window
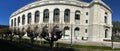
column 105, row 19
column 67, row 15
column 76, row 32
column 29, row 18
column 46, row 15
column 37, row 14
column 77, row 16
column 56, row 15
column 18, row 21
column 23, row 19
column 14, row 21
column 106, row 33
column 66, row 31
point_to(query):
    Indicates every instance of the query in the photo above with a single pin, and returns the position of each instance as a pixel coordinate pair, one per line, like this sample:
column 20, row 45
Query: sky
column 7, row 7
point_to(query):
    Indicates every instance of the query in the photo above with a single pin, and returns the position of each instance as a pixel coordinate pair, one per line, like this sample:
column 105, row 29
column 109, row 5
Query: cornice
column 102, row 4
column 44, row 3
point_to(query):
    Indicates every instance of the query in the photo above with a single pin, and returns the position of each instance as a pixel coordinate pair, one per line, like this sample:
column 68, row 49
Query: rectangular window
column 85, row 30
column 105, row 19
column 86, row 21
column 86, row 13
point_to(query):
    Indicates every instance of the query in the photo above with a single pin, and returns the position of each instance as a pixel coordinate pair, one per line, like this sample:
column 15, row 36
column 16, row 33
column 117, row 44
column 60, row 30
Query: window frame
column 46, row 16
column 37, row 15
column 29, row 16
column 67, row 15
column 56, row 16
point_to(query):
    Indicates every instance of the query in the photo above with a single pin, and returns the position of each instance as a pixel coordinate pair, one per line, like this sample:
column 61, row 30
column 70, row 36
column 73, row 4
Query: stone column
column 72, row 18
column 41, row 18
column 50, row 15
column 61, row 16
column 26, row 19
column 16, row 21
column 32, row 18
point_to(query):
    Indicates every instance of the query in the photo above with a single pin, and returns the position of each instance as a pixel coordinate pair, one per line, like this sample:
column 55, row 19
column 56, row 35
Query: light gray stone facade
column 86, row 21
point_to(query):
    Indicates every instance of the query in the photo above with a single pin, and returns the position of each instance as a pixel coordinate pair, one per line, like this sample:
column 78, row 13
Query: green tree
column 116, row 26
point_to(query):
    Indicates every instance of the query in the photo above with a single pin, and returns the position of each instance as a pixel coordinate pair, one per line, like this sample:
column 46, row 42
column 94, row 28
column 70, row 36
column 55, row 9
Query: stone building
column 77, row 19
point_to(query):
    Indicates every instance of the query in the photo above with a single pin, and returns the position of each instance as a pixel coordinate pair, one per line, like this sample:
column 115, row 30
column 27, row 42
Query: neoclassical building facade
column 77, row 19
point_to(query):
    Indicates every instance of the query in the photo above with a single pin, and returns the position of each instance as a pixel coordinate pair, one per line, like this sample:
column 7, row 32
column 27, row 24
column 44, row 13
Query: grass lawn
column 92, row 48
column 88, row 48
column 76, row 47
column 82, row 47
column 113, row 40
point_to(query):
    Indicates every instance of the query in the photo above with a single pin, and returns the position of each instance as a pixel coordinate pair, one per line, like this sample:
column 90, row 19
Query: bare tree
column 32, row 34
column 12, row 31
column 21, row 33
column 36, row 31
column 5, row 32
column 52, row 36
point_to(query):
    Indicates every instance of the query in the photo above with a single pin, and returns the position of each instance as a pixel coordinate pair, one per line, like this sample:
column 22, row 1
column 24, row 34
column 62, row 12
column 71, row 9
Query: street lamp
column 112, row 42
column 71, row 35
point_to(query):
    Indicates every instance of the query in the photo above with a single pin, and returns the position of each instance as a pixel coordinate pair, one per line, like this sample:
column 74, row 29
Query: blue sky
column 7, row 7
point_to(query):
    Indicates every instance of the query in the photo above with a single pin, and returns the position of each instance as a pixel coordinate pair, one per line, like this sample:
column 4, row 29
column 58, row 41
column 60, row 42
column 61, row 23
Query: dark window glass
column 15, row 22
column 77, row 16
column 67, row 15
column 85, row 30
column 46, row 15
column 29, row 18
column 86, row 21
column 106, row 33
column 23, row 19
column 86, row 13
column 18, row 21
column 56, row 15
column 105, row 19
column 37, row 14
column 12, row 22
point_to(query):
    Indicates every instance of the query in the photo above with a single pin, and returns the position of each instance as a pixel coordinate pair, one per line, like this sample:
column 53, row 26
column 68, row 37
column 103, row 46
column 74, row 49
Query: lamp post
column 112, row 42
column 71, row 36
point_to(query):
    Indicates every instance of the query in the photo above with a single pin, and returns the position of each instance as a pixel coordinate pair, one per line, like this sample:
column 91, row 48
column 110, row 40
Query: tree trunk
column 20, row 38
column 11, row 37
column 32, row 40
column 2, row 36
column 40, row 41
column 51, row 44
